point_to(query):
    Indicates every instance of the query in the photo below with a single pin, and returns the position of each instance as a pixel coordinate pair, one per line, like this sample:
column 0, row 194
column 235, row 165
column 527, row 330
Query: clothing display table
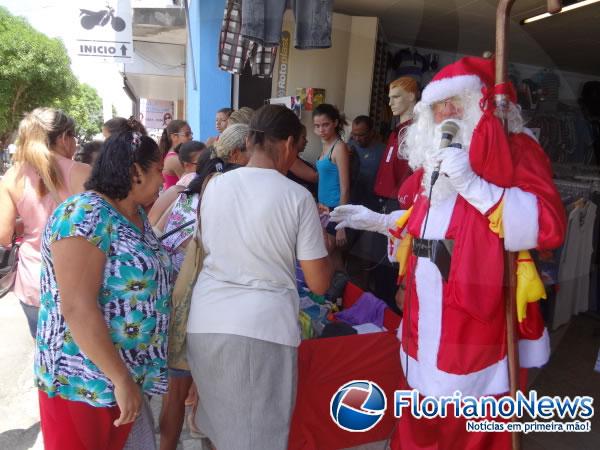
column 324, row 365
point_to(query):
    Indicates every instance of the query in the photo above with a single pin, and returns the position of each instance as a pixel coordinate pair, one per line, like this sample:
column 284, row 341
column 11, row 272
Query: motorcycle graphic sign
column 104, row 30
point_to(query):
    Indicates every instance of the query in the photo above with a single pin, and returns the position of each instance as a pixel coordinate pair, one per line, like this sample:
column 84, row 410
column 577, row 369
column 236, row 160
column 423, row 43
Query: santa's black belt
column 439, row 251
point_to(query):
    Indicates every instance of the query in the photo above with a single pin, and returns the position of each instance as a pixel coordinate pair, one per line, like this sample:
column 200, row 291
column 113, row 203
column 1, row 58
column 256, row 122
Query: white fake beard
column 422, row 145
column 442, row 188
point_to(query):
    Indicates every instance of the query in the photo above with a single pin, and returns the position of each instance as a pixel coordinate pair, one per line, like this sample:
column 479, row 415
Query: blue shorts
column 262, row 22
column 179, row 373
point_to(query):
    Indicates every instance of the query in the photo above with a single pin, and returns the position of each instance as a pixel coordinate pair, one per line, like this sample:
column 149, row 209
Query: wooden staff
column 510, row 273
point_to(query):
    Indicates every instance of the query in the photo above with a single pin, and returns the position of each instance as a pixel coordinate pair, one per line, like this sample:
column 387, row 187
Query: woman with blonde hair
column 42, row 177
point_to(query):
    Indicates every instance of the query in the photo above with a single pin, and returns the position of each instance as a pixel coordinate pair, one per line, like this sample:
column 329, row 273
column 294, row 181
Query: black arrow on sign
column 123, row 50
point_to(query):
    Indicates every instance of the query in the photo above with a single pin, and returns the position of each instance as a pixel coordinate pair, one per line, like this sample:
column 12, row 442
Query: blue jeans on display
column 262, row 21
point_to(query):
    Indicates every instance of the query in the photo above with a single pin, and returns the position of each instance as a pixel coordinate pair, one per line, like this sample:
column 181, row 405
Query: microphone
column 449, row 130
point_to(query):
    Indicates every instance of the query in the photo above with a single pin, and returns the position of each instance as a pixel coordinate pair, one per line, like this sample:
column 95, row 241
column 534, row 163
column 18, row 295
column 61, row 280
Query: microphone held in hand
column 449, row 131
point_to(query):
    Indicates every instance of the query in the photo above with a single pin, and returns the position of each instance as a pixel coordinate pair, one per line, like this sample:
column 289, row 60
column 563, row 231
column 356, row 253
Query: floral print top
column 134, row 299
column 184, row 210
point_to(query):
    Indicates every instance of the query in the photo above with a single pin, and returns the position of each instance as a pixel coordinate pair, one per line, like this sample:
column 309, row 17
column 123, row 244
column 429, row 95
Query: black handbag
column 9, row 258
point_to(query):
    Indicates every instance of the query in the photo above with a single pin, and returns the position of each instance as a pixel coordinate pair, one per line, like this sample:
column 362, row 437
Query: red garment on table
column 392, row 170
column 324, row 365
column 69, row 425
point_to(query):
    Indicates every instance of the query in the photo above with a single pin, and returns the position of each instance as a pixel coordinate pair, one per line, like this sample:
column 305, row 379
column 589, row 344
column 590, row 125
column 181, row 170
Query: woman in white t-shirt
column 243, row 324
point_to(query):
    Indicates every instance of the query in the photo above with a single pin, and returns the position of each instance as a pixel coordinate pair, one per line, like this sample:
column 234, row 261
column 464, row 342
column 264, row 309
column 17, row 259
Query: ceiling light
column 564, row 10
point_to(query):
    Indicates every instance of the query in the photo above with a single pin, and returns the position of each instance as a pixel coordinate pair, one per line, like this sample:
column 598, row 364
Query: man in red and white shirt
column 393, row 167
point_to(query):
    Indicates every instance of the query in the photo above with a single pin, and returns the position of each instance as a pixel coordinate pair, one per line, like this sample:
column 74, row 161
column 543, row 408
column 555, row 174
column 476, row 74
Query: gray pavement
column 19, row 414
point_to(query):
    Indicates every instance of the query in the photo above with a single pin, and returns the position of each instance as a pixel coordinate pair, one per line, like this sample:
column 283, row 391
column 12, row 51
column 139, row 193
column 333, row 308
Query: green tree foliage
column 35, row 71
column 85, row 107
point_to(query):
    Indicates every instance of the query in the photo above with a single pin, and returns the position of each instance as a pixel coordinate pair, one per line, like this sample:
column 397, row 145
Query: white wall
column 152, row 58
column 361, row 60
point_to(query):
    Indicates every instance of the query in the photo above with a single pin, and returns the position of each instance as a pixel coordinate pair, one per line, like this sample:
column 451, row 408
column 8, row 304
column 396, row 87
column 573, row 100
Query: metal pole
column 502, row 104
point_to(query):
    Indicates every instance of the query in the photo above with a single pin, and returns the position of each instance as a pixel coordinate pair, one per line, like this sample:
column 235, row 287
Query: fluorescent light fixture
column 564, row 10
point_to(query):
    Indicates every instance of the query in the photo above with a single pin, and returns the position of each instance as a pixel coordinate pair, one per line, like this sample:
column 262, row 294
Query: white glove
column 474, row 189
column 362, row 218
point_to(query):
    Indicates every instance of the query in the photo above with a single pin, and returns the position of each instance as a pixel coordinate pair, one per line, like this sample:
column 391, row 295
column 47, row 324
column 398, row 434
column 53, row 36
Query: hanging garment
column 573, row 274
column 235, row 50
column 262, row 22
column 392, row 169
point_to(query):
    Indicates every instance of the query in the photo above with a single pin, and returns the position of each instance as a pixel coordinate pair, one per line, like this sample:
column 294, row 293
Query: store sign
column 104, row 30
column 284, row 56
column 155, row 113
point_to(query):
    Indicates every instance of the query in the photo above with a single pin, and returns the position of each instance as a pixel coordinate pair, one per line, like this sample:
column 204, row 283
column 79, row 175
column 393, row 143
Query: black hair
column 118, row 125
column 364, row 119
column 203, row 158
column 212, row 165
column 113, row 171
column 273, row 123
column 186, row 150
column 174, row 127
column 87, row 151
column 326, row 109
column 226, row 111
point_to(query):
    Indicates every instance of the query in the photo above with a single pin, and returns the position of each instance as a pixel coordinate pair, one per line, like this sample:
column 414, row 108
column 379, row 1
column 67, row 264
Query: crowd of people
column 110, row 229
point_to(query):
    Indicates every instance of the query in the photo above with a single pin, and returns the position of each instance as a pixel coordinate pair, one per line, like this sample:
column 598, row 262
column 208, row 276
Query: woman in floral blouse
column 105, row 287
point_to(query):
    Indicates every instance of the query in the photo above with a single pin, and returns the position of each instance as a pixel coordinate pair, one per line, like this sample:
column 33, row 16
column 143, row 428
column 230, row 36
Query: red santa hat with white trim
column 489, row 153
column 467, row 74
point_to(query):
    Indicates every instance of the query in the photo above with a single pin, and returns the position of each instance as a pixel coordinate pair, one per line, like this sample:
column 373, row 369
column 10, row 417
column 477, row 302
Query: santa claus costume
column 494, row 194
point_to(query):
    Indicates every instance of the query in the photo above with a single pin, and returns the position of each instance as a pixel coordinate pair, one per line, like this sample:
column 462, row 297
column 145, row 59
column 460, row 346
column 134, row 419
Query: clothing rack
column 576, row 189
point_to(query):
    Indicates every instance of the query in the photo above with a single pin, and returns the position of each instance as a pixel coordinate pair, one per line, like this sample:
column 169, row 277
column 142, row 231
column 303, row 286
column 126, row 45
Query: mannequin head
column 403, row 96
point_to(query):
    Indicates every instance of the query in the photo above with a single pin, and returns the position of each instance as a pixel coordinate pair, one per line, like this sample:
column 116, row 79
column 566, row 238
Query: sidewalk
column 19, row 415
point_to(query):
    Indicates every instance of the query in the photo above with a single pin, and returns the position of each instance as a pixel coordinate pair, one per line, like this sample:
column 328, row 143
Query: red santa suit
column 392, row 170
column 453, row 334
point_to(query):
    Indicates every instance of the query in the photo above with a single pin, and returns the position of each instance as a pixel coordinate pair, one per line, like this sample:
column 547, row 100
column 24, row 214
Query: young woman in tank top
column 176, row 133
column 333, row 167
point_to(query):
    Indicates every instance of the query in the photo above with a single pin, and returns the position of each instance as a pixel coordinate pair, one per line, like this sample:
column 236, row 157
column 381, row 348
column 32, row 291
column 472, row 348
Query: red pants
column 448, row 433
column 69, row 425
column 444, row 434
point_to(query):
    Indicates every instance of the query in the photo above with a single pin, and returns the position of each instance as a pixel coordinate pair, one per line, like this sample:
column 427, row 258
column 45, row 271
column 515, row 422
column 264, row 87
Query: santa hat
column 467, row 74
column 489, row 153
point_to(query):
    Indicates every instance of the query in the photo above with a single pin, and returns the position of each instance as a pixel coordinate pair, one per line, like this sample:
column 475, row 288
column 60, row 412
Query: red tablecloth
column 324, row 365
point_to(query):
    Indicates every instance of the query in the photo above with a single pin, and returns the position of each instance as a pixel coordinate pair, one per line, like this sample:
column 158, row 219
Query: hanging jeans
column 262, row 21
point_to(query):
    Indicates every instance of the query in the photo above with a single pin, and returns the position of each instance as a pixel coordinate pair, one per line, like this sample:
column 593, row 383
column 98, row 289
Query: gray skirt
column 247, row 390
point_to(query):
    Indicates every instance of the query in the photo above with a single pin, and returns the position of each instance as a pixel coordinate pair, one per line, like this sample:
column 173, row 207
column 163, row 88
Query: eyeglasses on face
column 454, row 102
column 185, row 133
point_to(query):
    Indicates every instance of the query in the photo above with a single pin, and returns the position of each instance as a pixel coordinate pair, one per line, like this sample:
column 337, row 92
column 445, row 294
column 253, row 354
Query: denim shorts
column 179, row 373
column 262, row 21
